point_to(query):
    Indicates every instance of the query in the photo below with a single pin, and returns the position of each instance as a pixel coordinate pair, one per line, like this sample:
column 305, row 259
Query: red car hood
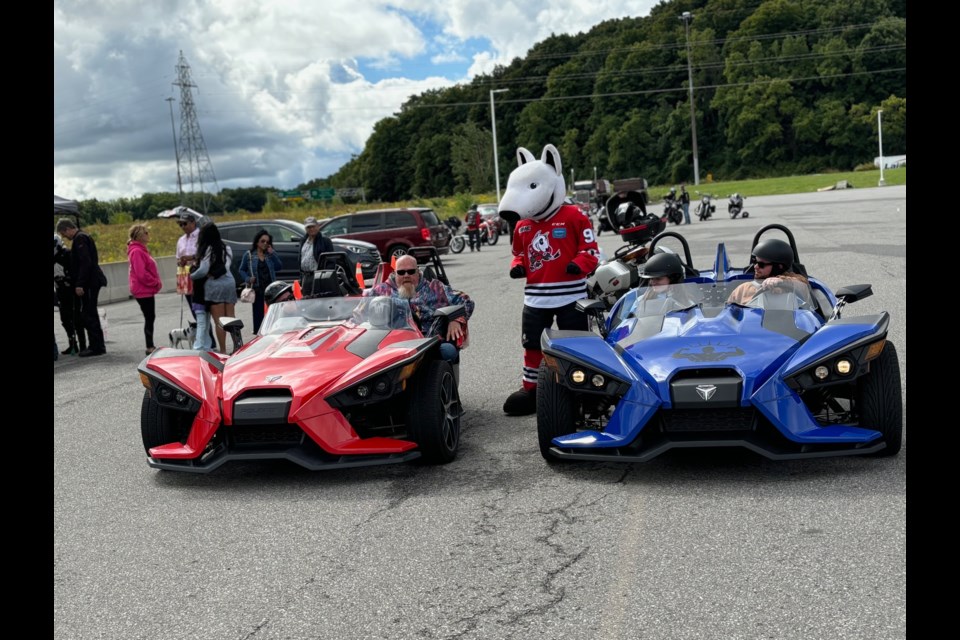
column 312, row 359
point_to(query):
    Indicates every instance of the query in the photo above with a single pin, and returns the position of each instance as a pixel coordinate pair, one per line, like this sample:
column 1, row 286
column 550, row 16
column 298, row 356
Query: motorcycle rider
column 671, row 196
column 685, row 203
column 473, row 226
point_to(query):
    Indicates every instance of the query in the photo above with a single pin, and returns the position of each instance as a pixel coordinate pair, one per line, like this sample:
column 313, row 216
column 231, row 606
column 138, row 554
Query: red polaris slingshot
column 328, row 382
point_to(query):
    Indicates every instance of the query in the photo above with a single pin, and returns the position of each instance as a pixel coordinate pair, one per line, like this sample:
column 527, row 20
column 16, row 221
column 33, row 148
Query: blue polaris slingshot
column 782, row 374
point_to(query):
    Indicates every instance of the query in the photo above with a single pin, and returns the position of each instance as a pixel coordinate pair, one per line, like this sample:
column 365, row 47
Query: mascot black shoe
column 521, row 403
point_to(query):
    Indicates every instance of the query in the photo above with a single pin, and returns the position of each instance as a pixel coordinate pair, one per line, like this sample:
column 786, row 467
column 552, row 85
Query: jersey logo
column 559, row 234
column 540, row 251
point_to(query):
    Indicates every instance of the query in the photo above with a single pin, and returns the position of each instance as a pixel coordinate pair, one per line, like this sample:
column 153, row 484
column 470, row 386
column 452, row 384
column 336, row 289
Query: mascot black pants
column 536, row 320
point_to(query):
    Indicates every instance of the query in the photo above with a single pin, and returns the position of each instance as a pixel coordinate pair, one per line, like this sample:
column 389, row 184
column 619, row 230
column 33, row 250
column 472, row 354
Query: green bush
column 866, row 166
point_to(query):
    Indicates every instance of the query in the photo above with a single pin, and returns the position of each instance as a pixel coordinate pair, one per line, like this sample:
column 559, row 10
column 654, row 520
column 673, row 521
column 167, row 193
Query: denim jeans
column 203, row 340
column 449, row 352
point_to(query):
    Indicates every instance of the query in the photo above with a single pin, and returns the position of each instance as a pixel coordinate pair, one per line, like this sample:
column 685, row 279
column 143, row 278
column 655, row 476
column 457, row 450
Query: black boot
column 521, row 403
column 82, row 341
column 71, row 348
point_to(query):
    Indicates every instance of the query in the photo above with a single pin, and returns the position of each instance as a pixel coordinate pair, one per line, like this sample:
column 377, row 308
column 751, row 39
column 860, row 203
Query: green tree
column 471, row 159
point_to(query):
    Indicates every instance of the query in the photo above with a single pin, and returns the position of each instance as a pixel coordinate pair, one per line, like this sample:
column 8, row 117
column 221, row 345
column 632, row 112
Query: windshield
column 789, row 295
column 379, row 312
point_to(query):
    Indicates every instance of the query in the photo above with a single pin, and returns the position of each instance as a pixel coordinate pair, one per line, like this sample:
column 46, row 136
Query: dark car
column 393, row 231
column 490, row 212
column 286, row 242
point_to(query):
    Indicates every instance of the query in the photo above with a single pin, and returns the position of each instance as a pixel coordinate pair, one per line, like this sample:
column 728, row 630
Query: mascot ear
column 524, row 156
column 551, row 156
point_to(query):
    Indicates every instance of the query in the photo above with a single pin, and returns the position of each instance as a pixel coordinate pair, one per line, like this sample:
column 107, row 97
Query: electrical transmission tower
column 192, row 158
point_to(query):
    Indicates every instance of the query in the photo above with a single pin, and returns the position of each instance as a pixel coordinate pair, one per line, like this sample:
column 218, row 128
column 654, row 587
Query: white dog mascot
column 554, row 248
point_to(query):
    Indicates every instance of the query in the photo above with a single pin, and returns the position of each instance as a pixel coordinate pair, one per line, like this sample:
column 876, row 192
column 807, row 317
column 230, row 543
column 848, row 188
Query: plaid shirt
column 429, row 295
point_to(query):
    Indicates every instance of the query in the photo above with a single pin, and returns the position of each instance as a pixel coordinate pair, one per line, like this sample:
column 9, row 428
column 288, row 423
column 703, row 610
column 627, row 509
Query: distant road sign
column 289, row 194
column 325, row 193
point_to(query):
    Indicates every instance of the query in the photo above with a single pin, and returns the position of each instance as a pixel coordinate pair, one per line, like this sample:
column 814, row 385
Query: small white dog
column 182, row 338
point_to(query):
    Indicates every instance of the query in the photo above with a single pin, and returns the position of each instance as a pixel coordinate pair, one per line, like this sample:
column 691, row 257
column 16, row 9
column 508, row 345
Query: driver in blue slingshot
column 772, row 261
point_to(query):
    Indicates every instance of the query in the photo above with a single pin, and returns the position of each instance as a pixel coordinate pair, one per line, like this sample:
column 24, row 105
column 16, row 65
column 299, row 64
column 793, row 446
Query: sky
column 285, row 91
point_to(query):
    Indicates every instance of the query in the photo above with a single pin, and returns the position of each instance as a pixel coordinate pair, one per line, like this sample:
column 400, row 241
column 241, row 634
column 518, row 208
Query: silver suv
column 286, row 242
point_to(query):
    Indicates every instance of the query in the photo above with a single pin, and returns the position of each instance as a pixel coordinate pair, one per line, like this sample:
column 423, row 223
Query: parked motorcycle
column 489, row 233
column 735, row 206
column 706, row 208
column 671, row 209
column 458, row 241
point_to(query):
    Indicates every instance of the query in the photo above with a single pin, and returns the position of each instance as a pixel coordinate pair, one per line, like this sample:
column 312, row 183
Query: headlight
column 378, row 386
column 580, row 376
column 168, row 395
column 353, row 249
column 838, row 367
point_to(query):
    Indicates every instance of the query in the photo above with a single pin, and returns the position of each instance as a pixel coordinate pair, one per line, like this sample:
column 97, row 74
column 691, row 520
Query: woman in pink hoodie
column 145, row 280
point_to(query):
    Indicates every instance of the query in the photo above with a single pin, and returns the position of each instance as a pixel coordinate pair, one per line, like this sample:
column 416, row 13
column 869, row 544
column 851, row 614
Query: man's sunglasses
column 183, row 224
column 762, row 265
column 406, row 272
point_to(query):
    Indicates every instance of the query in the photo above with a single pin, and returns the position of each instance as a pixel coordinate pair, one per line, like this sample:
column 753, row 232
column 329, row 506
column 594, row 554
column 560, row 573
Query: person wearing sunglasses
column 424, row 297
column 772, row 264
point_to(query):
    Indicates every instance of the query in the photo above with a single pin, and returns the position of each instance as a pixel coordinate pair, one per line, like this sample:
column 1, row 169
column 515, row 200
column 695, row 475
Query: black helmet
column 663, row 264
column 776, row 251
column 275, row 292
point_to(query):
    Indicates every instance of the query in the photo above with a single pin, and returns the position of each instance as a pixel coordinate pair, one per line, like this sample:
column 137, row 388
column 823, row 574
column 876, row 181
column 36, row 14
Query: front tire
column 555, row 411
column 457, row 244
column 492, row 236
column 433, row 419
column 159, row 425
column 880, row 400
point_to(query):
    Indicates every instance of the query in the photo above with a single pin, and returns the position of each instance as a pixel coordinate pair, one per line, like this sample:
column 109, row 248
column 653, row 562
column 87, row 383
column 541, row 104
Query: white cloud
column 280, row 95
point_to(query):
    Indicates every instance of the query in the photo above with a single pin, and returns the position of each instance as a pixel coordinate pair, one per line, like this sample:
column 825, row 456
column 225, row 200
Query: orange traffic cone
column 393, row 263
column 360, row 276
column 297, row 294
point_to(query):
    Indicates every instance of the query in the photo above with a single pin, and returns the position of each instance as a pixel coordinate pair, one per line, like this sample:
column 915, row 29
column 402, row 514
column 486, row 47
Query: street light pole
column 493, row 128
column 880, row 140
column 687, row 18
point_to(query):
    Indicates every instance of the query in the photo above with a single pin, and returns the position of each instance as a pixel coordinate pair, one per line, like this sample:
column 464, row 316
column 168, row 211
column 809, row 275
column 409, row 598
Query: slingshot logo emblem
column 706, row 391
column 273, row 378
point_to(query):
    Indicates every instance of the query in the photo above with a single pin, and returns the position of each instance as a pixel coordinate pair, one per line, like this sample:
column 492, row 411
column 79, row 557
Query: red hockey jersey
column 546, row 247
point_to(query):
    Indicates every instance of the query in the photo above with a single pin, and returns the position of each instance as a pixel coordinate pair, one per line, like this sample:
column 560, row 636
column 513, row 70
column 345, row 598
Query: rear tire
column 880, row 400
column 554, row 412
column 396, row 251
column 492, row 236
column 745, row 214
column 457, row 244
column 433, row 419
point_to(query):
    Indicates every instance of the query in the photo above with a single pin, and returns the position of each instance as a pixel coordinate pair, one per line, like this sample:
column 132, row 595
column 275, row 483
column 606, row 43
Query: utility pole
column 687, row 18
column 173, row 129
column 192, row 153
column 493, row 126
column 882, row 182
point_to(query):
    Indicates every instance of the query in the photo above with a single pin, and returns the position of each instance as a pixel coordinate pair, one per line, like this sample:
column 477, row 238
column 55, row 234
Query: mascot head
column 535, row 189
